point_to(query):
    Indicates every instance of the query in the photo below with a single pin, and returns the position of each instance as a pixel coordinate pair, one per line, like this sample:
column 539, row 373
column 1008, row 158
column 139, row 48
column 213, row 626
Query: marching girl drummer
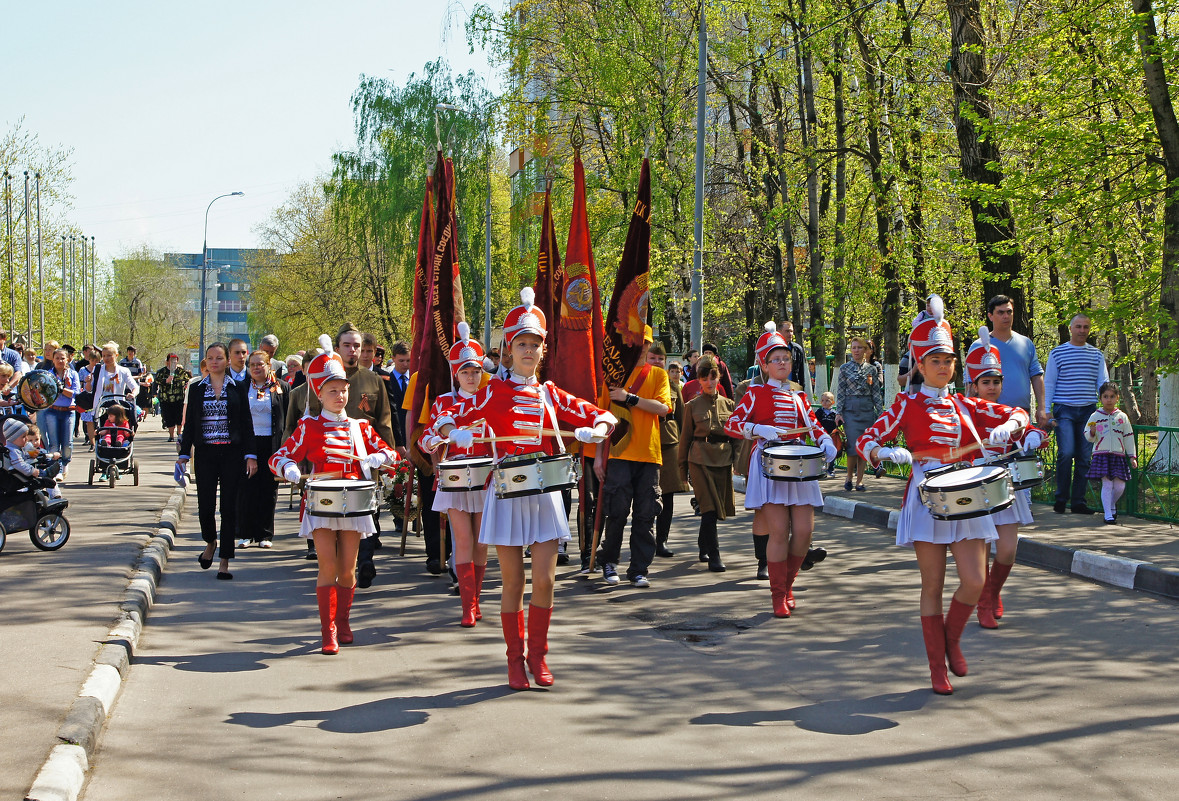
column 521, row 408
column 985, row 372
column 463, row 510
column 337, row 447
column 939, row 429
column 775, row 413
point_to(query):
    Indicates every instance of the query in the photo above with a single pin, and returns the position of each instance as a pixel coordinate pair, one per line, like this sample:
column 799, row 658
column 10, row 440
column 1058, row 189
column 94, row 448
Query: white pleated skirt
column 1019, row 512
column 760, row 490
column 472, row 501
column 365, row 524
column 916, row 524
column 523, row 521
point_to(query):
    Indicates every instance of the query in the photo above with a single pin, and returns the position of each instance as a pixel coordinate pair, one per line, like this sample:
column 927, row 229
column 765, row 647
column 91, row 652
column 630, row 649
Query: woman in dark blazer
column 266, row 397
column 218, row 428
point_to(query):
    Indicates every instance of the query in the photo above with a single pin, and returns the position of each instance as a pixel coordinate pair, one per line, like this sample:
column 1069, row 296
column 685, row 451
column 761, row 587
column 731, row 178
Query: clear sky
column 168, row 104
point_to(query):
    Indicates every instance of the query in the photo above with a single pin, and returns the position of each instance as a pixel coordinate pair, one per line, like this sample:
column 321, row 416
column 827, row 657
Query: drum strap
column 544, row 398
column 358, row 446
column 968, row 425
column 803, row 417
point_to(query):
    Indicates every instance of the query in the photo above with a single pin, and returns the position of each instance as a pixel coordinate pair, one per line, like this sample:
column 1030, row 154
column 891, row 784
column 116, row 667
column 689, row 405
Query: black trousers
column 257, row 497
column 631, row 483
column 430, row 519
column 589, row 502
column 216, row 466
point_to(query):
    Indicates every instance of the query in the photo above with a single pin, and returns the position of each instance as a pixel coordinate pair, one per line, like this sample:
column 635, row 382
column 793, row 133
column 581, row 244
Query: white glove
column 1000, row 435
column 431, row 443
column 373, row 461
column 588, row 435
column 895, row 455
column 829, row 450
column 767, row 432
column 291, row 473
column 1033, row 441
column 461, row 438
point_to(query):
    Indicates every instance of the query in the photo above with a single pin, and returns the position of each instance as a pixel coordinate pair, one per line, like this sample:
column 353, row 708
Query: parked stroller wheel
column 90, row 478
column 3, row 536
column 51, row 532
column 112, row 475
column 135, row 470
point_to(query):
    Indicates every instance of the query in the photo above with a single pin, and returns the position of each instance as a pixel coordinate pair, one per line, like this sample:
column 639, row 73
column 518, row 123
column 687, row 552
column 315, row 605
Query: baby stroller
column 26, row 506
column 112, row 460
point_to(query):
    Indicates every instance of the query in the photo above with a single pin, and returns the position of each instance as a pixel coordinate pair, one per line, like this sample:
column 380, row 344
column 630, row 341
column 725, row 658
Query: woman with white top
column 258, row 494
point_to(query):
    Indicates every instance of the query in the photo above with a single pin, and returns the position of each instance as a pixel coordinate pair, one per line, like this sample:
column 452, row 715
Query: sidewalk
column 1136, row 554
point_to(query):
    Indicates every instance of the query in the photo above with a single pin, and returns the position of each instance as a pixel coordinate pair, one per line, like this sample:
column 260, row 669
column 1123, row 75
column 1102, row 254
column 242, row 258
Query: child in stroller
column 115, row 428
column 40, row 473
column 115, row 441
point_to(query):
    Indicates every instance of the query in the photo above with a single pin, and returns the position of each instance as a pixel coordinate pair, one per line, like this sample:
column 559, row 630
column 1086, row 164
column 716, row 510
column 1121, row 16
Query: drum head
column 520, row 459
column 460, row 464
column 965, row 476
column 792, row 450
column 339, row 484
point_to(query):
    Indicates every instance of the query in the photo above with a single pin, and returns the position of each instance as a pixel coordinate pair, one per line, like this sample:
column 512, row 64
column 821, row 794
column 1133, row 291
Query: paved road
column 687, row 690
column 60, row 605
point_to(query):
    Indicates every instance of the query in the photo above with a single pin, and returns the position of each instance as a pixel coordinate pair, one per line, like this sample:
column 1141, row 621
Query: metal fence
column 1152, row 492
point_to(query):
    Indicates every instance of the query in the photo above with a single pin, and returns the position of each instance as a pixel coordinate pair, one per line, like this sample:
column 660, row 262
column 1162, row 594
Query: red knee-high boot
column 933, row 629
column 793, row 565
column 344, row 596
column 466, row 582
column 779, row 587
column 326, row 597
column 986, row 606
column 479, row 571
column 538, row 643
column 998, row 577
column 513, row 625
column 955, row 622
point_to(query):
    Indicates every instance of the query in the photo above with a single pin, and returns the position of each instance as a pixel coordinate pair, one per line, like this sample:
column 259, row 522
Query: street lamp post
column 486, row 229
column 93, row 298
column 205, row 262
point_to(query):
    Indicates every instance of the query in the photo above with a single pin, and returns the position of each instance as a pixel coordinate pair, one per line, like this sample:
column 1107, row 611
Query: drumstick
column 522, row 438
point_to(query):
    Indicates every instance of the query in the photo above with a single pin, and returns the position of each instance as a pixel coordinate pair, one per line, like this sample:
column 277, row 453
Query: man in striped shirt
column 1075, row 370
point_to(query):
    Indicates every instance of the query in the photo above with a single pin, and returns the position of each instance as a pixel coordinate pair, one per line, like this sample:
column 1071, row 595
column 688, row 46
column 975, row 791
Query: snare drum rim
column 974, row 484
column 817, row 453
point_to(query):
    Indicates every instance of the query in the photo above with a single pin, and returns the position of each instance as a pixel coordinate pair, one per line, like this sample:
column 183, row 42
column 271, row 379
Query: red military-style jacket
column 313, row 434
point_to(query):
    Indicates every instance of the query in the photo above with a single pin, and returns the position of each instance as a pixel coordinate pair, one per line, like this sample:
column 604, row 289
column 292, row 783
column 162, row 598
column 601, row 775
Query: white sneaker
column 640, row 581
column 266, row 544
column 610, row 574
column 243, row 543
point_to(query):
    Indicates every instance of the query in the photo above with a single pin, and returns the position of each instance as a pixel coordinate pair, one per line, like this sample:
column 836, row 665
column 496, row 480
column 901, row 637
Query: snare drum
column 793, row 463
column 464, row 475
column 534, row 473
column 961, row 492
column 341, row 497
column 1026, row 469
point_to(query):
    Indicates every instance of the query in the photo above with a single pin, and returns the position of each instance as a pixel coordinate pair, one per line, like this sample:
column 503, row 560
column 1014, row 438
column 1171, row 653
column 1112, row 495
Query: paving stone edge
column 64, row 772
column 1117, row 571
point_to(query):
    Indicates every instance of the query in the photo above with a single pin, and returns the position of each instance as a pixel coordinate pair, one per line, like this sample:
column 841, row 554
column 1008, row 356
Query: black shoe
column 224, row 576
column 716, row 565
column 562, row 558
column 695, row 504
column 661, row 550
column 847, row 486
column 813, row 557
column 703, row 556
column 879, row 470
column 1111, row 522
column 434, row 567
column 376, row 539
column 763, row 571
column 311, row 555
column 205, row 563
column 1058, row 507
column 1083, row 509
column 365, row 575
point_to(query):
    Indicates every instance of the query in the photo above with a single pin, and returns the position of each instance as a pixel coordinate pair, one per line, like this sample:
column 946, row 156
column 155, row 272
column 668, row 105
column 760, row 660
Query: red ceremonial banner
column 422, row 274
column 627, row 316
column 579, row 370
column 550, row 277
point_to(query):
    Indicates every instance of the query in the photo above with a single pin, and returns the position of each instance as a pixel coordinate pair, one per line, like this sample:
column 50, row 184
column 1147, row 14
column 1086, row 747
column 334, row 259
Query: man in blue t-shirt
column 1022, row 373
column 9, row 355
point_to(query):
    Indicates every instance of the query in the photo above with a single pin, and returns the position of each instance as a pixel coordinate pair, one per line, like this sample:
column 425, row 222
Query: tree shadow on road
column 856, row 716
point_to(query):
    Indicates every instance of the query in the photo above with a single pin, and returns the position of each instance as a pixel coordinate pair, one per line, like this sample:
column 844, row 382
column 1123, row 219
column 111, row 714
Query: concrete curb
column 64, row 772
column 1117, row 571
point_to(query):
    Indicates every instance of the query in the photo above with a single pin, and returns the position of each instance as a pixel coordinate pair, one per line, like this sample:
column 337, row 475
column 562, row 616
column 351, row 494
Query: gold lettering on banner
column 642, row 211
column 439, row 253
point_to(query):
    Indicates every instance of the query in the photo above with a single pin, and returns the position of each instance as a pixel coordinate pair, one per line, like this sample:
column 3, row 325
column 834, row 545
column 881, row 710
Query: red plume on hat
column 770, row 340
column 983, row 357
column 325, row 367
column 465, row 350
column 525, row 318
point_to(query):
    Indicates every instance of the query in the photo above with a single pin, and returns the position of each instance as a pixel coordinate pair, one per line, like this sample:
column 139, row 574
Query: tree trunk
column 994, row 225
column 839, row 346
column 1163, row 110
